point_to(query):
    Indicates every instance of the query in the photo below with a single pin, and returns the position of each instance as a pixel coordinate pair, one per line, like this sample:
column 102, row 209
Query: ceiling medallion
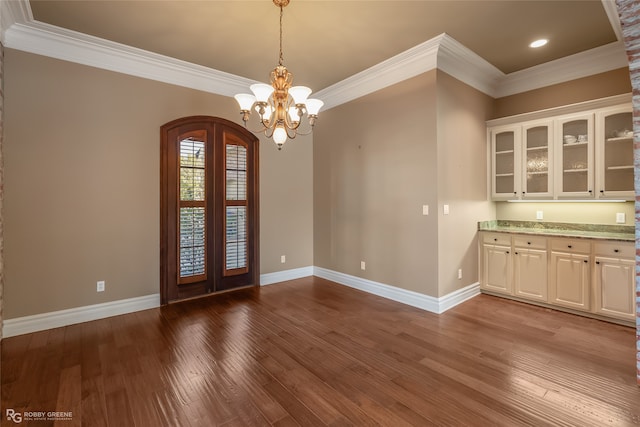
column 280, row 106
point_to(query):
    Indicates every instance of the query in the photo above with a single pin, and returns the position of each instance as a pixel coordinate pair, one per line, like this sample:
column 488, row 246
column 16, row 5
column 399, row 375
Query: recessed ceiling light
column 538, row 43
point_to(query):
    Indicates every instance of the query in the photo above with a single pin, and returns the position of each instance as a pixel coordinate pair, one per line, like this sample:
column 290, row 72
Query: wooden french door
column 208, row 207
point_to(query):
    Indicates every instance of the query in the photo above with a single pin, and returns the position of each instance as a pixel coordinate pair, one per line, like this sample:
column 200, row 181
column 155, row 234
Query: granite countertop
column 624, row 233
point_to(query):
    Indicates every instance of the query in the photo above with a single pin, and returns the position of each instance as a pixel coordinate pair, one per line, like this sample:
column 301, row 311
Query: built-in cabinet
column 569, row 274
column 530, row 267
column 583, row 155
column 592, row 276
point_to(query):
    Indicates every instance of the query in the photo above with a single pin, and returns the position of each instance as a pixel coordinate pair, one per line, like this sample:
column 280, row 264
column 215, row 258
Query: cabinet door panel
column 615, row 288
column 530, row 273
column 497, row 269
column 569, row 281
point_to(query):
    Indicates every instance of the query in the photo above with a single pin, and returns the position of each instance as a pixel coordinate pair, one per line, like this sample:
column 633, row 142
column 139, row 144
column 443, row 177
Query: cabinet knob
column 523, row 193
column 598, row 262
column 601, row 191
column 528, row 243
column 569, row 246
column 495, row 240
column 616, row 250
column 515, row 193
column 590, row 191
column 507, row 251
column 585, row 261
column 514, row 252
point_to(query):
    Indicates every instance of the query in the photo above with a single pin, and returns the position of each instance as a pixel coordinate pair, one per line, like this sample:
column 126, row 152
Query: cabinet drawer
column 532, row 242
column 502, row 239
column 571, row 245
column 615, row 249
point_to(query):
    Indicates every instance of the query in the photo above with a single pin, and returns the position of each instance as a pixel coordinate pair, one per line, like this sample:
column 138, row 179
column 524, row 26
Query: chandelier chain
column 281, row 59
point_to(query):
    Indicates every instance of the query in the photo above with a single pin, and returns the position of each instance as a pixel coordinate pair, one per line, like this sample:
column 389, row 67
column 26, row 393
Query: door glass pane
column 236, row 172
column 537, row 147
column 504, row 162
column 192, row 241
column 575, row 156
column 192, row 249
column 236, row 244
column 618, row 153
column 192, row 178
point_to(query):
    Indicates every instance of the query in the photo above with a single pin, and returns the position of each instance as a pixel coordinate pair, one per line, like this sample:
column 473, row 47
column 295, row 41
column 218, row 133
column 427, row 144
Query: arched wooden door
column 208, row 207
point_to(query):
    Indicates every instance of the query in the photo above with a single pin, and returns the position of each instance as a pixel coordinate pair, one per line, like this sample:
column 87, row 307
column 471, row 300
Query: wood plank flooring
column 313, row 353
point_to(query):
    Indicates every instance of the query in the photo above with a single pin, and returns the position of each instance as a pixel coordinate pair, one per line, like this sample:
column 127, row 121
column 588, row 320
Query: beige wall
column 582, row 213
column 462, row 180
column 374, row 168
column 602, row 85
column 82, row 184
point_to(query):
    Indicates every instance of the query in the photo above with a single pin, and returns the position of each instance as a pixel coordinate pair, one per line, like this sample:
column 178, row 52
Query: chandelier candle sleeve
column 280, row 106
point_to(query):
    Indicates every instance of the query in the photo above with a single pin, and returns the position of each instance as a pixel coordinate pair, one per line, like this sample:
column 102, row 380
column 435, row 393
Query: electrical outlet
column 425, row 209
column 100, row 286
column 621, row 218
column 362, row 265
column 445, row 209
column 459, row 273
column 539, row 215
column 283, row 259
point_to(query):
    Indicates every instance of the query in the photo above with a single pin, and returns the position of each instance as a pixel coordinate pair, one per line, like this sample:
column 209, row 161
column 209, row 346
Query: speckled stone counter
column 622, row 233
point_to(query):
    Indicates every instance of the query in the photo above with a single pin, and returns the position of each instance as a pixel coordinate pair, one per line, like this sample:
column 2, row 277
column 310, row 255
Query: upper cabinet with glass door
column 614, row 153
column 583, row 153
column 537, row 156
column 505, row 165
column 574, row 156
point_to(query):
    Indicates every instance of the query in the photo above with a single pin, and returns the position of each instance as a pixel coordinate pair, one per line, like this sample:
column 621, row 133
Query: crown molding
column 611, row 10
column 410, row 63
column 12, row 12
column 594, row 61
column 20, row 31
column 462, row 63
column 48, row 40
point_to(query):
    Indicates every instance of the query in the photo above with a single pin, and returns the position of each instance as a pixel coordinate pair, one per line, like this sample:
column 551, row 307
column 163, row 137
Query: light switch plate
column 539, row 215
column 362, row 265
column 425, row 209
column 621, row 218
column 445, row 209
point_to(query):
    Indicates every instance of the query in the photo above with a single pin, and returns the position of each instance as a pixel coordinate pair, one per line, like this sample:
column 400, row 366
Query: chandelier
column 280, row 106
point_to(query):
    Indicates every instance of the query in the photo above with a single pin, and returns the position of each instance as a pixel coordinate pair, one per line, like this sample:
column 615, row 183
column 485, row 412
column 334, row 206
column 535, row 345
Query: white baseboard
column 414, row 299
column 56, row 319
column 282, row 276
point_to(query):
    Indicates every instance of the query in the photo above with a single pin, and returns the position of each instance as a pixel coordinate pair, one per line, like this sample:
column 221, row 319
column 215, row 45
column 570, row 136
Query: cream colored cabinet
column 614, row 280
column 570, row 273
column 575, row 167
column 496, row 263
column 614, row 153
column 583, row 155
column 530, row 267
column 505, row 163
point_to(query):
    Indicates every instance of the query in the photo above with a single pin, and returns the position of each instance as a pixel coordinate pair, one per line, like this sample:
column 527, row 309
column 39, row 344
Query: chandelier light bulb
column 261, row 91
column 299, row 94
column 279, row 136
column 313, row 106
column 245, row 101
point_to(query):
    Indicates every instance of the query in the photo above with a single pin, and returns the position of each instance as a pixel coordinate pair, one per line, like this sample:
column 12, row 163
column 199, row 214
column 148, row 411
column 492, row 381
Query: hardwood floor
column 310, row 352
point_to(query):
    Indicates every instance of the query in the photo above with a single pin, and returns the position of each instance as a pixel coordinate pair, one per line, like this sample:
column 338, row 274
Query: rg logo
column 14, row 416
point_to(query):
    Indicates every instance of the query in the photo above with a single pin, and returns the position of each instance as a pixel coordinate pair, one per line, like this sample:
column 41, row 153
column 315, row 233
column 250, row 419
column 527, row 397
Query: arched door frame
column 218, row 130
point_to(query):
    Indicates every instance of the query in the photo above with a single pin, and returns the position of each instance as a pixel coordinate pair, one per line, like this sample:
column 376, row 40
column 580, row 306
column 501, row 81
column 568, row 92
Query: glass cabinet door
column 505, row 150
column 615, row 149
column 574, row 142
column 537, row 178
